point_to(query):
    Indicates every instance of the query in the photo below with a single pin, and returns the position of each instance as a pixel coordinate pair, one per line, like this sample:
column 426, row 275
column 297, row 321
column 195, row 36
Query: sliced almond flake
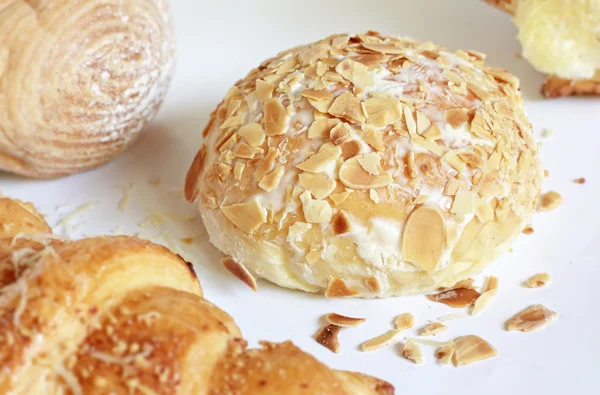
column 410, row 121
column 412, row 352
column 456, row 117
column 287, row 66
column 246, row 151
column 452, row 186
column 531, row 319
column 460, row 297
column 427, row 342
column 318, row 184
column 384, row 48
column 423, row 123
column 321, row 106
column 354, row 176
column 371, row 163
column 253, row 133
column 351, row 149
column 328, row 337
column 317, row 162
column 317, row 95
column 470, row 349
column 404, row 321
column 338, row 198
column 492, row 283
column 347, row 106
column 264, row 90
column 336, row 288
column 382, row 341
column 579, row 180
column 227, row 157
column 333, row 77
column 240, row 272
column 373, row 138
column 270, row 180
column 238, row 171
column 528, row 230
column 312, row 257
column 315, row 211
column 374, row 196
column 232, row 121
column 232, row 107
column 433, row 329
column 538, row 280
column 452, row 158
column 410, row 163
column 445, row 353
column 383, row 111
column 339, row 134
column 472, row 159
column 424, row 238
column 265, row 165
column 246, row 216
column 483, row 301
column 343, row 321
column 275, row 117
column 223, row 171
column 340, row 42
column 550, row 201
column 483, row 210
column 452, row 317
column 464, row 202
column 355, row 72
column 321, row 128
column 313, row 53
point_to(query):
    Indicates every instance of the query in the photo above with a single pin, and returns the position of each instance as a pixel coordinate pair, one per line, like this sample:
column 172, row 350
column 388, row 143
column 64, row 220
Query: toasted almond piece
column 452, row 186
column 492, row 283
column 374, row 196
column 383, row 111
column 412, row 352
column 315, row 211
column 472, row 159
column 550, row 201
column 579, row 180
column 265, row 165
column 427, row 342
column 238, row 170
column 432, row 133
column 321, row 106
column 456, row 116
column 466, row 283
column 483, row 301
column 464, row 202
column 343, row 321
column 410, row 163
column 351, row 149
column 317, row 162
column 424, row 238
column 253, row 133
column 317, row 95
column 381, row 341
column 354, row 176
column 483, row 210
column 371, row 163
column 355, row 72
column 328, row 337
column 318, row 184
column 538, row 280
column 445, row 353
column 383, row 48
column 373, row 138
column 232, row 121
column 223, row 171
column 460, row 297
column 528, row 230
column 410, row 122
column 246, row 151
column 338, row 198
column 531, row 319
column 246, row 216
column 275, row 117
column 240, row 272
column 347, row 106
column 404, row 321
column 341, row 223
column 452, row 158
column 423, row 122
column 322, row 127
column 339, row 134
column 470, row 349
column 433, row 329
column 452, row 317
column 270, row 180
column 264, row 90
column 336, row 288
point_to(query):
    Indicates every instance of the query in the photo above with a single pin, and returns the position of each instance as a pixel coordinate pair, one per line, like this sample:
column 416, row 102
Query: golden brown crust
column 79, row 80
column 123, row 315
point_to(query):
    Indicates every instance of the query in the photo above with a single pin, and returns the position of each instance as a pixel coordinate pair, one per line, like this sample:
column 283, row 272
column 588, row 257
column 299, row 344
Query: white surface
column 219, row 41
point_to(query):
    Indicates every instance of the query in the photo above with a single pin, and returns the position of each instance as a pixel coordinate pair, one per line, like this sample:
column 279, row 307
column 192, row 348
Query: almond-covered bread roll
column 121, row 315
column 79, row 80
column 367, row 166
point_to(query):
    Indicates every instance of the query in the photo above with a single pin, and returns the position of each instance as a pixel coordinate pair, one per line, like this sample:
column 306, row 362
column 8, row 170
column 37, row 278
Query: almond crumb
column 580, row 180
column 240, row 272
column 538, row 280
column 328, row 337
column 528, row 230
column 445, row 353
column 460, row 297
column 404, row 321
column 412, row 352
column 550, row 201
column 433, row 329
column 342, row 320
column 531, row 319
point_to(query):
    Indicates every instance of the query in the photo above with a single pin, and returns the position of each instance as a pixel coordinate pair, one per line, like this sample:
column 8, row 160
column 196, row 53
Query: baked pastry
column 367, row 166
column 560, row 38
column 122, row 315
column 79, row 80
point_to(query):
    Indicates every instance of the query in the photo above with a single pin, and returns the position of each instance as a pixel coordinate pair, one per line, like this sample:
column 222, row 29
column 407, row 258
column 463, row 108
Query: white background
column 219, row 42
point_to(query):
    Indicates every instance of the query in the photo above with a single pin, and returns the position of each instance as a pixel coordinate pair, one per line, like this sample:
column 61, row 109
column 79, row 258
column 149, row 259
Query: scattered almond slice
column 253, row 133
column 343, row 321
column 355, row 72
column 538, row 280
column 456, row 117
column 328, row 337
column 270, row 180
column 318, row 184
column 337, row 288
column 550, row 201
column 275, row 117
column 451, row 317
column 246, row 216
column 264, row 90
column 482, row 301
column 341, row 223
column 381, row 341
column 445, row 353
column 338, row 198
column 492, row 283
column 317, row 162
column 339, row 134
column 470, row 349
column 318, row 95
column 347, row 106
column 351, row 149
column 531, row 319
column 433, row 329
column 354, row 176
column 383, row 111
column 315, row 211
column 412, row 352
column 404, row 321
column 580, row 180
column 371, row 163
column 528, row 230
column 322, row 127
column 460, row 297
column 424, row 238
column 240, row 272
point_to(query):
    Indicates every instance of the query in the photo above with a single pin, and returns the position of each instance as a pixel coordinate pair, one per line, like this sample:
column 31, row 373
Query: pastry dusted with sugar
column 367, row 166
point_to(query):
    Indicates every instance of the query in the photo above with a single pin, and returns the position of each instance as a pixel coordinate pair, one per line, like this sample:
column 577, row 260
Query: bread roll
column 367, row 166
column 79, row 80
column 122, row 315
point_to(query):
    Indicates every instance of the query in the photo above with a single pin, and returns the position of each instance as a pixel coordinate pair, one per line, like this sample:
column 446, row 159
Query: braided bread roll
column 560, row 38
column 79, row 80
column 123, row 315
